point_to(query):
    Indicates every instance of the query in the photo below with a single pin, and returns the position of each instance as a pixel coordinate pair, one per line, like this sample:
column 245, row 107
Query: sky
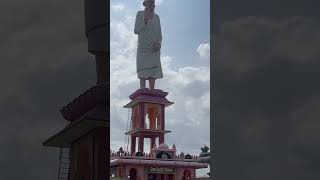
column 186, row 67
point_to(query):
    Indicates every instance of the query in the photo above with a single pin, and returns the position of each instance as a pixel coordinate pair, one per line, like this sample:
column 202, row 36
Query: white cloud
column 204, row 50
column 117, row 7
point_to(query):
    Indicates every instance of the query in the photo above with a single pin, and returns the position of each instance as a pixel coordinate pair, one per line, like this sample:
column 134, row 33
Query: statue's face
column 149, row 4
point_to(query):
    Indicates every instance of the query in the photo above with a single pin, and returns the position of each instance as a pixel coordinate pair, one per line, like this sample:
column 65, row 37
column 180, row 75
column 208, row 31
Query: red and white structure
column 148, row 122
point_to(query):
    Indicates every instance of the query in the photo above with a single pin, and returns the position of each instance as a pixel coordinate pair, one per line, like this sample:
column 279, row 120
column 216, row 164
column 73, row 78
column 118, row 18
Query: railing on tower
column 128, row 155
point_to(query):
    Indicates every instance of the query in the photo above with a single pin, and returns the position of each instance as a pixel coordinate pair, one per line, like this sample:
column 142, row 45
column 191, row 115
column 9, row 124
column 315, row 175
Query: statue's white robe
column 148, row 62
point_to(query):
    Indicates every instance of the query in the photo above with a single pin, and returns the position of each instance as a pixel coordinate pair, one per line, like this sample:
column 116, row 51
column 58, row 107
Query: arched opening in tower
column 152, row 118
column 133, row 174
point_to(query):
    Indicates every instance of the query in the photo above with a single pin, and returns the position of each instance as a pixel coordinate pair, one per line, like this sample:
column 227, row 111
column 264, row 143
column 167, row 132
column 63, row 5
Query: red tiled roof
column 87, row 101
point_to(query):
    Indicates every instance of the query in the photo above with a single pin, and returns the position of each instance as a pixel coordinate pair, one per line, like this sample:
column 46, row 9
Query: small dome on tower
column 163, row 146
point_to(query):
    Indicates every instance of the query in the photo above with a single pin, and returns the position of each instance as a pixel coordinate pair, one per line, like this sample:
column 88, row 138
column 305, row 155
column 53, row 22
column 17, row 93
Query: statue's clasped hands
column 147, row 14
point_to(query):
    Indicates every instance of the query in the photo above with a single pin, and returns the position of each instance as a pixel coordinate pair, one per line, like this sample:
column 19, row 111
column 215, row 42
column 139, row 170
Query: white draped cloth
column 148, row 61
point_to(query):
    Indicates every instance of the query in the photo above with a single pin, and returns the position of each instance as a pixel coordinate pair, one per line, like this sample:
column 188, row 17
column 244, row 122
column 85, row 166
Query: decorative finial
column 120, row 152
column 204, row 149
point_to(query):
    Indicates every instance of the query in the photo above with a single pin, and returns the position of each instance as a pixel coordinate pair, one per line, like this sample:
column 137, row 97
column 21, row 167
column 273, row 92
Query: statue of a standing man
column 148, row 28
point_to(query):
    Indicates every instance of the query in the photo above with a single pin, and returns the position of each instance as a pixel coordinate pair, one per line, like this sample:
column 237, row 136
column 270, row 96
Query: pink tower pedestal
column 160, row 162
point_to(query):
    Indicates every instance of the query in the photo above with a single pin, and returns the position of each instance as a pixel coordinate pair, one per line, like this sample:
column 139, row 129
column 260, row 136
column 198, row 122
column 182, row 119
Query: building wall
column 89, row 156
column 180, row 172
column 81, row 159
column 124, row 171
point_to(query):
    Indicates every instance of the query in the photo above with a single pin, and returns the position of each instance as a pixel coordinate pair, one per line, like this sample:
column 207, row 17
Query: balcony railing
column 128, row 155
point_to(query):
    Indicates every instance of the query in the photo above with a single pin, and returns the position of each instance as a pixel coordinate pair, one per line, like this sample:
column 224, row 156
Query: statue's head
column 149, row 4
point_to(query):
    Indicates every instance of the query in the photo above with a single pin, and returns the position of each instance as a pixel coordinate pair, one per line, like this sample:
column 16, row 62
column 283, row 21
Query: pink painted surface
column 146, row 91
column 146, row 95
column 143, row 162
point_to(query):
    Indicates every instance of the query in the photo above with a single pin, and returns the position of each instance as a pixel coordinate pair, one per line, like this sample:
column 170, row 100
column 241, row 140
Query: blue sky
column 185, row 62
